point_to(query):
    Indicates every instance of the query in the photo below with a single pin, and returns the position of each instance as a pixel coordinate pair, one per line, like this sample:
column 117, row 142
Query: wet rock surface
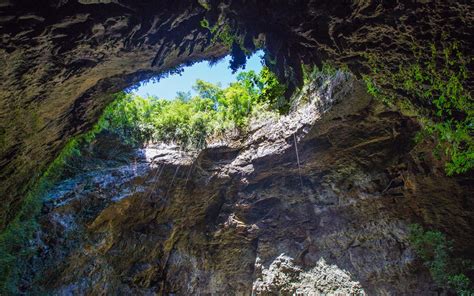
column 241, row 217
column 62, row 59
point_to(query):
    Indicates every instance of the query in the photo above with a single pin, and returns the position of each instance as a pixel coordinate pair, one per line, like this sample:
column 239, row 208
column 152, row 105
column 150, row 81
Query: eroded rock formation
column 61, row 59
column 242, row 217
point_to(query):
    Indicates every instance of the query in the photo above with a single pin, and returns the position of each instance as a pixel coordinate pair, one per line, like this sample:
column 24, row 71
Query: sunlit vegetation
column 435, row 250
column 437, row 88
column 188, row 121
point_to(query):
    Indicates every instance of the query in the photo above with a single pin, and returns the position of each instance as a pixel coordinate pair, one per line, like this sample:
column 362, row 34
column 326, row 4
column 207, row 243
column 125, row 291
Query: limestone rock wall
column 241, row 217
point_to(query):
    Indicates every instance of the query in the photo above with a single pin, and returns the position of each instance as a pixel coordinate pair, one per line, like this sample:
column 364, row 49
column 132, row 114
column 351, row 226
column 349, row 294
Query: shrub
column 436, row 252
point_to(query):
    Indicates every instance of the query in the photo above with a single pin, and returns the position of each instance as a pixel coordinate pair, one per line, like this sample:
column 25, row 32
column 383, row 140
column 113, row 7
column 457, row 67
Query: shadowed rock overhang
column 62, row 59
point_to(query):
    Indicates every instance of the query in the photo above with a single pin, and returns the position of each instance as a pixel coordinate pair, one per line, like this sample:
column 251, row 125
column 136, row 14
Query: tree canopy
column 187, row 120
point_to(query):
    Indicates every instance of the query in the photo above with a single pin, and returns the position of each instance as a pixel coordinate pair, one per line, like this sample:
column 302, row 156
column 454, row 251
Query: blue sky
column 219, row 73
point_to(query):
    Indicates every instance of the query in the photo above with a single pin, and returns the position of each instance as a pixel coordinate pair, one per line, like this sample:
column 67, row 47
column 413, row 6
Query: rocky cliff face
column 242, row 217
column 61, row 59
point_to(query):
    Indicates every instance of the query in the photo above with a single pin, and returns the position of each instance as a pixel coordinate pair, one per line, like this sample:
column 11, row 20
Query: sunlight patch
column 284, row 276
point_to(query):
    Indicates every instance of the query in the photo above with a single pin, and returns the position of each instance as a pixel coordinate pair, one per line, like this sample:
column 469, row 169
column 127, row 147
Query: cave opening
column 305, row 183
column 190, row 104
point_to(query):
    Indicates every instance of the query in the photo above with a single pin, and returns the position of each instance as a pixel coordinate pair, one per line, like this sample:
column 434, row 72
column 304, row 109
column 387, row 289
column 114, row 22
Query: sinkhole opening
column 195, row 104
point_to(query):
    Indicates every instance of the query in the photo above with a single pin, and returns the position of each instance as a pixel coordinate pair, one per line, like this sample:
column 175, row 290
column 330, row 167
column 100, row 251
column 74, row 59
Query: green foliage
column 205, row 4
column 314, row 72
column 273, row 91
column 205, row 24
column 437, row 86
column 188, row 120
column 435, row 251
column 223, row 33
column 220, row 33
column 372, row 89
column 16, row 247
column 130, row 118
column 461, row 284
